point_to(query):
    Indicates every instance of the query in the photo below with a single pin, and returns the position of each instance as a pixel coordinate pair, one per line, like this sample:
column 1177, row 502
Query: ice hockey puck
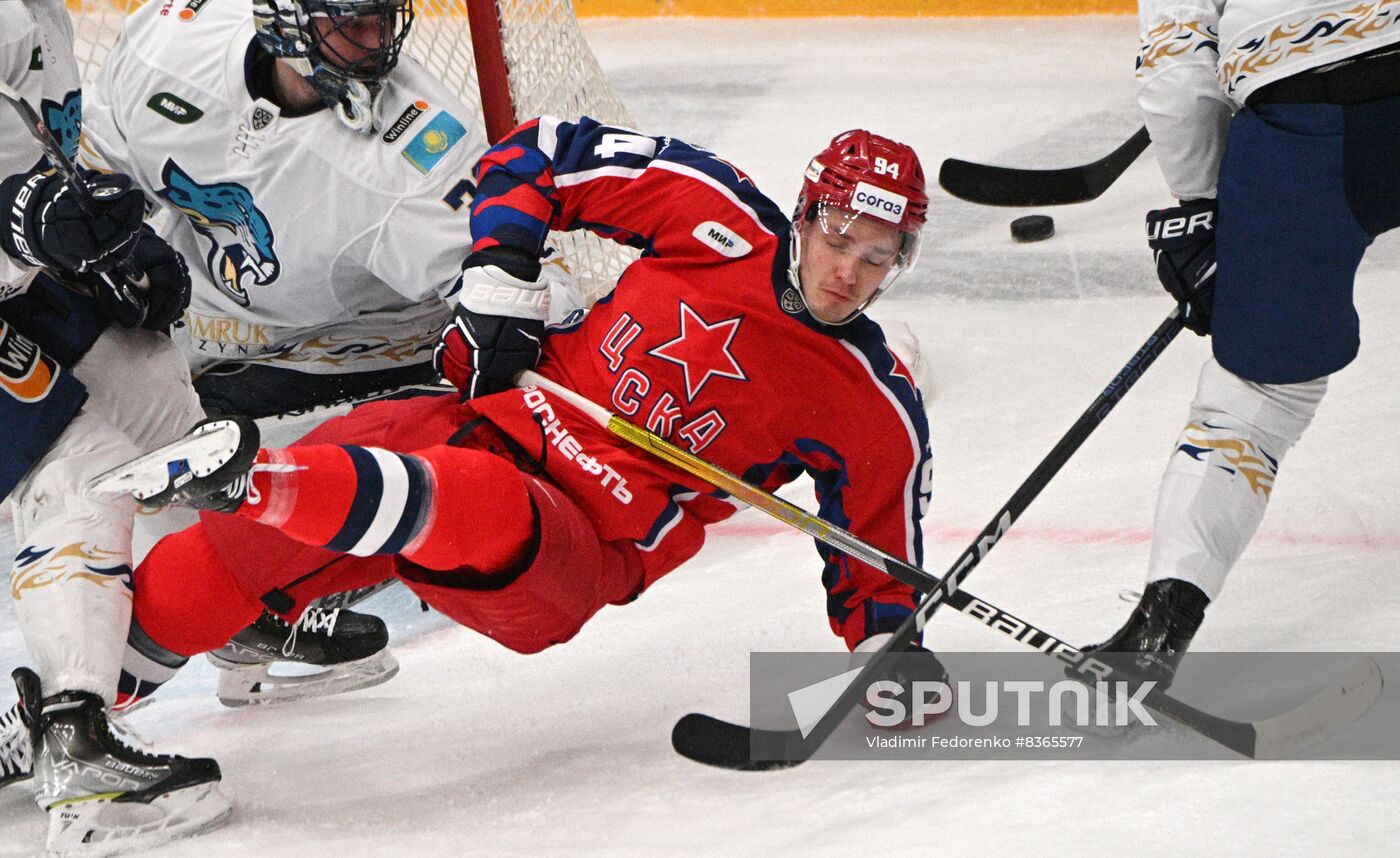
column 1032, row 228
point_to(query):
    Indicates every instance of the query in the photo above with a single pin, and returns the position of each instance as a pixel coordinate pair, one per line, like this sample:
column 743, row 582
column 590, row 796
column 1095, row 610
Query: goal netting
column 512, row 60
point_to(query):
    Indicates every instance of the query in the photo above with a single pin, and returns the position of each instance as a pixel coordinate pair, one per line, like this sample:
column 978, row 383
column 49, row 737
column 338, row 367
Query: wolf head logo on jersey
column 64, row 120
column 240, row 253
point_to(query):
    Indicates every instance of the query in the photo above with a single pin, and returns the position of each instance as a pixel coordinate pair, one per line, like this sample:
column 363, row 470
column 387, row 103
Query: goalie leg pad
column 1222, row 471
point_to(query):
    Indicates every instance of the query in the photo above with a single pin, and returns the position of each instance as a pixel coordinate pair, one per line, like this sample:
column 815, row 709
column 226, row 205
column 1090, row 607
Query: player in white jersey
column 1277, row 126
column 320, row 181
column 76, row 392
column 323, row 236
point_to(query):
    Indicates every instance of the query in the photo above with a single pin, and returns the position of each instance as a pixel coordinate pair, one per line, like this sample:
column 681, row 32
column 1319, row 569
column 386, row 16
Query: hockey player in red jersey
column 740, row 335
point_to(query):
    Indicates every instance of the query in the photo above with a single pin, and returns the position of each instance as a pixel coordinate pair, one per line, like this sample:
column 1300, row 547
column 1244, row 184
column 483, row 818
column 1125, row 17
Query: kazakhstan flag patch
column 435, row 140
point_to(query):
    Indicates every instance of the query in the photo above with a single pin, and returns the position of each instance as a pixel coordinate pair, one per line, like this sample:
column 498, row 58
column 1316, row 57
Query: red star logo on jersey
column 702, row 351
column 900, row 370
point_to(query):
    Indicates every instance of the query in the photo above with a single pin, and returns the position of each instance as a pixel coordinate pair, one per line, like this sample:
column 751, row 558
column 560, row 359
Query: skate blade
column 173, row 464
column 245, row 684
column 98, row 827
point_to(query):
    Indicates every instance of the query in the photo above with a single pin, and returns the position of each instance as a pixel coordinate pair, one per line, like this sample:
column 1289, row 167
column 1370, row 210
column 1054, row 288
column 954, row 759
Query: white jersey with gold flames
column 1200, row 59
column 312, row 247
column 36, row 59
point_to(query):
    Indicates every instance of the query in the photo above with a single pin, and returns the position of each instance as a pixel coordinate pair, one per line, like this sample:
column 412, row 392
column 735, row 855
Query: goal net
column 512, row 60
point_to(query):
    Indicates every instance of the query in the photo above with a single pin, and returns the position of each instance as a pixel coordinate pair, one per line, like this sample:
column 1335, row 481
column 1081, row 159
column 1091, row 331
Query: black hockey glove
column 498, row 323
column 159, row 299
column 1182, row 239
column 45, row 226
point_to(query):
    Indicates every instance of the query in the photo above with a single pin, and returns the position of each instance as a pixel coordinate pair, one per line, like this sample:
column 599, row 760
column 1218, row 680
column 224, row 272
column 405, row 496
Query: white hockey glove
column 907, row 347
column 498, row 323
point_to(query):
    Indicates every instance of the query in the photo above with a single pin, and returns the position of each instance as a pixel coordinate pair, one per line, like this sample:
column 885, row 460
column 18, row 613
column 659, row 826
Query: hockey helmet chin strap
column 356, row 102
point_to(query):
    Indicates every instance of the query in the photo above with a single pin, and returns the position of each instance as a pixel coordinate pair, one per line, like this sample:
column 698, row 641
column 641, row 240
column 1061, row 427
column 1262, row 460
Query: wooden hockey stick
column 988, row 184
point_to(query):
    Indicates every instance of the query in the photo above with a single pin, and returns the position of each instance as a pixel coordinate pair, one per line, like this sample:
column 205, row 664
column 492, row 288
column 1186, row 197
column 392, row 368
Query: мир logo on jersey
column 240, row 253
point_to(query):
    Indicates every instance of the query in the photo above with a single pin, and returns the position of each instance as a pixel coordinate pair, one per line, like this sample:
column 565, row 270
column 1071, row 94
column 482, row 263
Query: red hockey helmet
column 867, row 174
column 861, row 175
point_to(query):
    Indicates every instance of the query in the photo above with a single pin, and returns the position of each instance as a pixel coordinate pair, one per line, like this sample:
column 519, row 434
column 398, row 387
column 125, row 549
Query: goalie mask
column 863, row 204
column 344, row 48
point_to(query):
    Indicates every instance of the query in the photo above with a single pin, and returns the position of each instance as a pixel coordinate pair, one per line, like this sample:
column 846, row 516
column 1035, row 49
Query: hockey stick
column 709, row 740
column 990, row 185
column 40, row 132
column 121, row 285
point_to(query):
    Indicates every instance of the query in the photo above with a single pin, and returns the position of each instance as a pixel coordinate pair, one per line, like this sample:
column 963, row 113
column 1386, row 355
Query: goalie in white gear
column 319, row 183
column 69, row 407
column 311, row 237
column 322, row 243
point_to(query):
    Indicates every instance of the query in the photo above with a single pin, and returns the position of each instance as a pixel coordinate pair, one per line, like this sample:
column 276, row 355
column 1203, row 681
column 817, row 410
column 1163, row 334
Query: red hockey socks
column 442, row 508
column 187, row 600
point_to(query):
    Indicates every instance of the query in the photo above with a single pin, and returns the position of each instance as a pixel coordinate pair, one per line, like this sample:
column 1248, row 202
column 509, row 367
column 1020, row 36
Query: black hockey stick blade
column 991, row 185
column 713, row 742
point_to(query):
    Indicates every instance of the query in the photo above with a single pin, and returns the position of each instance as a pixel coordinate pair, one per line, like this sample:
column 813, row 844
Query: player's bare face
column 844, row 261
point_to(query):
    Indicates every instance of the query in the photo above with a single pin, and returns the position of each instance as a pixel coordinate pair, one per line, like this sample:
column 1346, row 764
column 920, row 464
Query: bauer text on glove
column 497, row 326
column 1182, row 239
column 47, row 226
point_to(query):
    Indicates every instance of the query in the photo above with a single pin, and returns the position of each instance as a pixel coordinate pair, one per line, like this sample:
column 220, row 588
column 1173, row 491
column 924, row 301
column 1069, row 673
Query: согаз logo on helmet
column 878, row 202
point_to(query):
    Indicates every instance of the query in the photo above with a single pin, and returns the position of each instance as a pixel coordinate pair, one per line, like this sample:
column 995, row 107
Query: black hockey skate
column 1151, row 644
column 103, row 796
column 352, row 648
column 210, row 468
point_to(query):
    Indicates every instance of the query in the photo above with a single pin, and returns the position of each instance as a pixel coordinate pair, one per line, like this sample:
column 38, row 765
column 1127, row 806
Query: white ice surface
column 475, row 750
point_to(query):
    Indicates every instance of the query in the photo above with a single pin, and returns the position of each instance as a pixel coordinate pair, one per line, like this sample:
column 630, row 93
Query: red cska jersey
column 706, row 343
